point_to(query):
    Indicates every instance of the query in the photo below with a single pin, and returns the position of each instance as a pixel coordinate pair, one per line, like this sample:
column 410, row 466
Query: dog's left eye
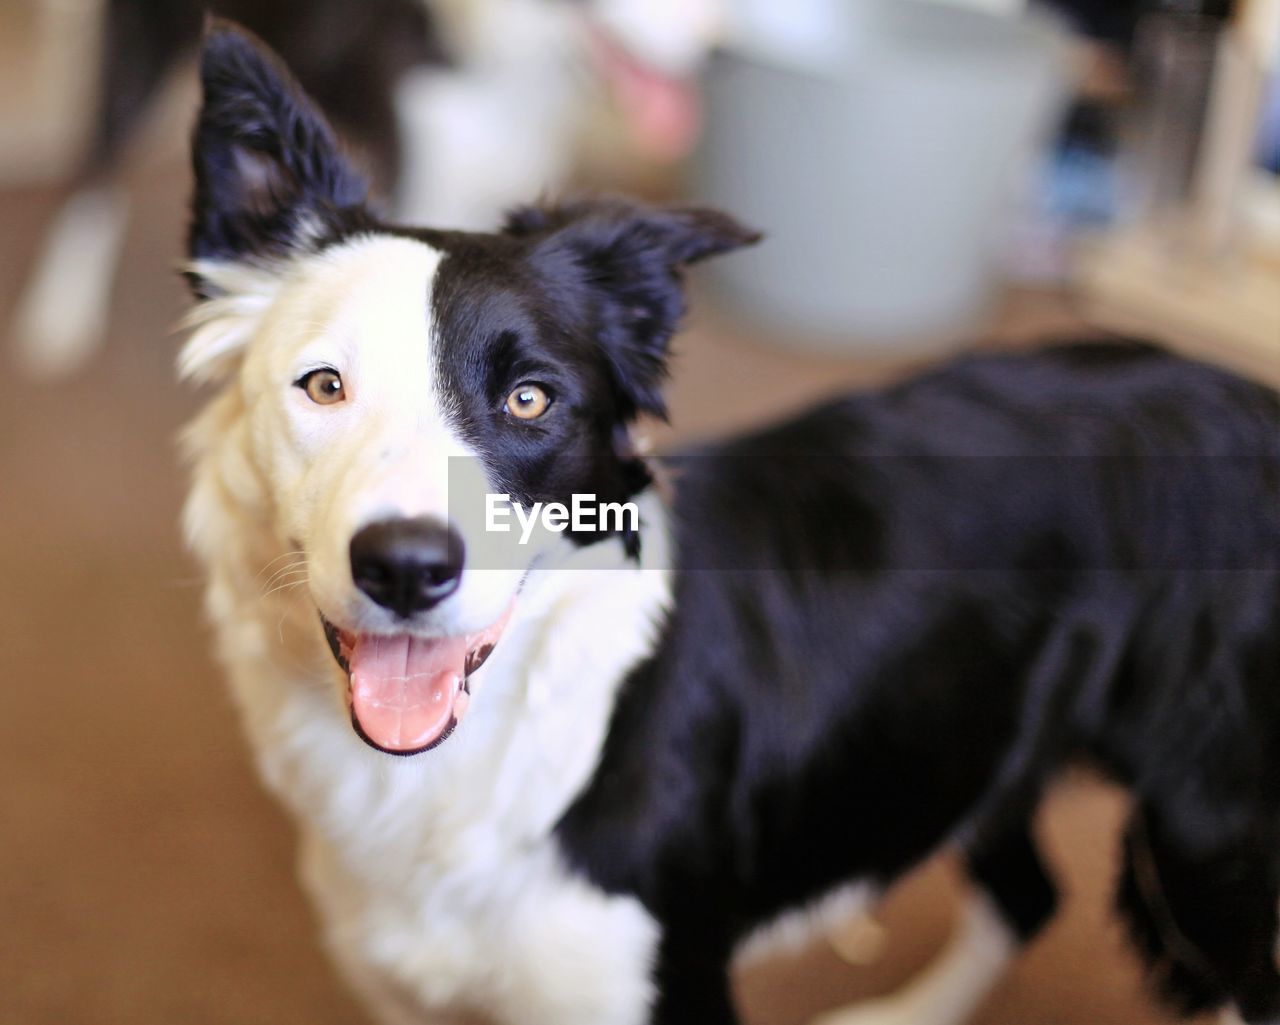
column 527, row 401
column 323, row 386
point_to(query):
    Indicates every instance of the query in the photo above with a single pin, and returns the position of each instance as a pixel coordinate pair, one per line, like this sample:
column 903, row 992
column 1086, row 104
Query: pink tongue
column 404, row 689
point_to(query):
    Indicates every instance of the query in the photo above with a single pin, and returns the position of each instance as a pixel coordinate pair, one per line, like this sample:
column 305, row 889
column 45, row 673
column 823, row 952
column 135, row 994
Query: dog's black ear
column 633, row 255
column 269, row 172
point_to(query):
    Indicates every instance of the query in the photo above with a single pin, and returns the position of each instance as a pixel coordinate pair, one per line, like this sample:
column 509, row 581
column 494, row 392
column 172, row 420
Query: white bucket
column 882, row 180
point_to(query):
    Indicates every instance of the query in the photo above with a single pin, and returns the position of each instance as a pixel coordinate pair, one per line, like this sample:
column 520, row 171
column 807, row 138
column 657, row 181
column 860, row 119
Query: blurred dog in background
column 455, row 109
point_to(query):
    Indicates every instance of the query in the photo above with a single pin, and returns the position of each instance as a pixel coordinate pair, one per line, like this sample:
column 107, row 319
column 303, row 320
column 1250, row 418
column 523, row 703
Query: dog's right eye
column 323, row 386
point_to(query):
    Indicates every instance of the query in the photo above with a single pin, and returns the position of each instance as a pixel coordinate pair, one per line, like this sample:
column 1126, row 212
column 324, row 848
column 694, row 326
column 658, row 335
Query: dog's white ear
column 270, row 175
column 633, row 256
column 239, row 294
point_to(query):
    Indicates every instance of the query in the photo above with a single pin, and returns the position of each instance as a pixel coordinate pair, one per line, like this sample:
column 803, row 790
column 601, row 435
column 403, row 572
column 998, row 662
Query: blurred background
column 932, row 176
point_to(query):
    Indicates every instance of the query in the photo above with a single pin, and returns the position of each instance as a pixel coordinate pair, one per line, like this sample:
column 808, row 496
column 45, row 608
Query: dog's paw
column 886, row 1011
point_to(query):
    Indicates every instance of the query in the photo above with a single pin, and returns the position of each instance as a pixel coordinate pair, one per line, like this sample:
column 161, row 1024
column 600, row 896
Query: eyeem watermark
column 582, row 515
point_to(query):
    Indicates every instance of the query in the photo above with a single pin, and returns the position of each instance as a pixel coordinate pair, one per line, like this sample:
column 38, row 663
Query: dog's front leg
column 692, row 977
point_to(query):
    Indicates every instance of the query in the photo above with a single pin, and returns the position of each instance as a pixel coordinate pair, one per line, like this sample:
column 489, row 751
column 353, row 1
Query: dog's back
column 1098, row 456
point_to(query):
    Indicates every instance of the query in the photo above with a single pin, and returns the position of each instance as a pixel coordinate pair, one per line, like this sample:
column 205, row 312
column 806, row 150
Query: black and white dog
column 838, row 644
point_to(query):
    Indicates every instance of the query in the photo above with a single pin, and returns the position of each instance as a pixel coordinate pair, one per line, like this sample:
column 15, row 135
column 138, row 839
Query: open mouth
column 407, row 694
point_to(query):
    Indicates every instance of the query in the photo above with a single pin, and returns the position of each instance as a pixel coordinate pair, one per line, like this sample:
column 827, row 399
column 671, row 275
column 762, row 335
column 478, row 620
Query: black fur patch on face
column 270, row 175
column 581, row 300
column 629, row 259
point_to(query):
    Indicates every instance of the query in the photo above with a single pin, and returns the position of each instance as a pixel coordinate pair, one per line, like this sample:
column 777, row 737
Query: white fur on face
column 362, row 308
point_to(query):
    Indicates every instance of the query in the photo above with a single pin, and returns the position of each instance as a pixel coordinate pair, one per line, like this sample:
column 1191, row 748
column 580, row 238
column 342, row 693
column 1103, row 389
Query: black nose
column 407, row 565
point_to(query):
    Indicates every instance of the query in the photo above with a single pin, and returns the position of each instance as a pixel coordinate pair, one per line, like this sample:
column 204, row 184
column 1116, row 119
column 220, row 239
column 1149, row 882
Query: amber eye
column 323, row 387
column 527, row 402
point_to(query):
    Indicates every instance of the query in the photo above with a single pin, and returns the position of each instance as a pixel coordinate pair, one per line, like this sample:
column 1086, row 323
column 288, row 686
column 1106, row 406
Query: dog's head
column 389, row 376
